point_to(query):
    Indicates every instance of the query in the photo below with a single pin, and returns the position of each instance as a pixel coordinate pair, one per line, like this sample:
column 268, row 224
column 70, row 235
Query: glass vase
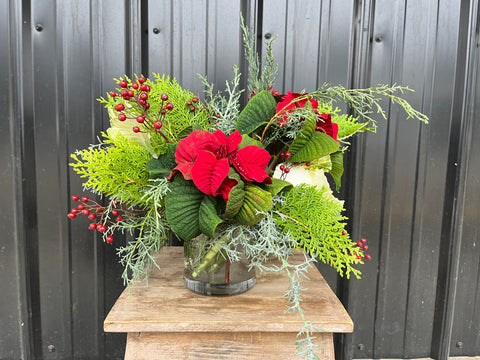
column 208, row 270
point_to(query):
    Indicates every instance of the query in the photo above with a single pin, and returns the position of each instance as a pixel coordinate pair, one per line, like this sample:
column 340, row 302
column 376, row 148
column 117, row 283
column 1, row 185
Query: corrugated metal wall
column 413, row 190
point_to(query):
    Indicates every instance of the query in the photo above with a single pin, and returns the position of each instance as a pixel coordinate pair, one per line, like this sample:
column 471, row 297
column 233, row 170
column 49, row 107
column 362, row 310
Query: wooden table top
column 166, row 305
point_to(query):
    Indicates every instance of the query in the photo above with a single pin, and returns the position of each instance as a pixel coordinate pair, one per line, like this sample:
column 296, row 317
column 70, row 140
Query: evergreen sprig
column 261, row 75
column 114, row 168
column 151, row 230
column 364, row 102
column 224, row 107
column 314, row 219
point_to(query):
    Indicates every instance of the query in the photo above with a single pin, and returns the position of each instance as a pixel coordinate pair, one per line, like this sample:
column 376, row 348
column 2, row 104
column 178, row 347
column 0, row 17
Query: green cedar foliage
column 177, row 123
column 117, row 168
column 316, row 222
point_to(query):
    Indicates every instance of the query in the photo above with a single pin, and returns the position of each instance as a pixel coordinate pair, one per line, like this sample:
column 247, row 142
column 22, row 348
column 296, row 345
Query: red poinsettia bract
column 206, row 158
column 324, row 122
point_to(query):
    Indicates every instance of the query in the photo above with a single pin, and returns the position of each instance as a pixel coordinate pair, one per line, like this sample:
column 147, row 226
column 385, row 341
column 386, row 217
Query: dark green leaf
column 235, row 197
column 337, row 168
column 259, row 110
column 161, row 167
column 310, row 144
column 189, row 211
column 255, row 200
column 276, row 186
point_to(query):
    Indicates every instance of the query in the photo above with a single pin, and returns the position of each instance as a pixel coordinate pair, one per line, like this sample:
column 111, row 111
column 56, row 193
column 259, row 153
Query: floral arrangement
column 171, row 162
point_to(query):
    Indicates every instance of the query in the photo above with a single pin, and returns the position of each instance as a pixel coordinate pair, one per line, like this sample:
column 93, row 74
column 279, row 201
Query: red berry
column 74, row 211
column 92, row 226
column 135, row 85
column 81, row 207
column 147, row 88
column 130, row 93
column 114, row 212
column 102, row 229
column 282, row 167
column 359, row 244
column 194, row 99
column 109, row 239
column 368, row 257
column 75, row 198
column 163, row 111
column 344, row 232
column 287, row 170
column 275, row 92
column 192, row 109
column 123, row 84
column 119, row 107
column 143, row 96
column 157, row 124
column 136, row 129
column 147, row 106
column 72, row 215
column 218, row 116
column 85, row 199
column 164, row 97
column 288, row 155
column 363, row 241
column 85, row 212
column 92, row 216
column 142, row 102
column 169, row 106
column 122, row 117
column 189, row 103
column 113, row 93
column 119, row 218
column 141, row 80
column 126, row 97
column 270, row 87
column 143, row 87
column 140, row 119
column 307, row 164
column 365, row 247
column 282, row 154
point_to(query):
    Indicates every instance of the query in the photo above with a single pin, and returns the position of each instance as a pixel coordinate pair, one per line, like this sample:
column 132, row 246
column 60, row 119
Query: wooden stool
column 165, row 320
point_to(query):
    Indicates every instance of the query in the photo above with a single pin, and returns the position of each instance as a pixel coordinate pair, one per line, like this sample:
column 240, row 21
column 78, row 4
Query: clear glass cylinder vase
column 208, row 270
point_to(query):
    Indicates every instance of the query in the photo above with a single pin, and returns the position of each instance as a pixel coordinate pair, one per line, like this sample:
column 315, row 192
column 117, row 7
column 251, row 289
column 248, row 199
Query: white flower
column 300, row 174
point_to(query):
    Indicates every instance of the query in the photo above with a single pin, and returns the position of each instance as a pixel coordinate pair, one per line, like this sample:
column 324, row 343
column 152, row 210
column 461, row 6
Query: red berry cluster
column 191, row 103
column 361, row 244
column 96, row 212
column 138, row 94
column 285, row 167
column 270, row 88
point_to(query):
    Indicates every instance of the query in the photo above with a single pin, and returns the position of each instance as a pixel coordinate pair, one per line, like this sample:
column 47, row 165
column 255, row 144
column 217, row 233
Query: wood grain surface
column 233, row 346
column 166, row 305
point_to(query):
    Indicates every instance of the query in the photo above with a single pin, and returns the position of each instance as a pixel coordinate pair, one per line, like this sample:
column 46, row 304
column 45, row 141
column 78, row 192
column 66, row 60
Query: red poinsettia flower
column 288, row 104
column 325, row 125
column 205, row 158
column 324, row 122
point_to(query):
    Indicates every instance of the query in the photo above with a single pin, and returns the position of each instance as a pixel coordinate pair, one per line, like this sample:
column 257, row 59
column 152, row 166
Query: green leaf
column 310, row 144
column 348, row 126
column 247, row 140
column 256, row 200
column 189, row 211
column 163, row 165
column 235, row 197
column 276, row 186
column 259, row 110
column 337, row 168
column 207, row 216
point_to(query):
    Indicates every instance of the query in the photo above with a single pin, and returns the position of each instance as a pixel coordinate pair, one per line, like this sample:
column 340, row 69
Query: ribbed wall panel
column 411, row 190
